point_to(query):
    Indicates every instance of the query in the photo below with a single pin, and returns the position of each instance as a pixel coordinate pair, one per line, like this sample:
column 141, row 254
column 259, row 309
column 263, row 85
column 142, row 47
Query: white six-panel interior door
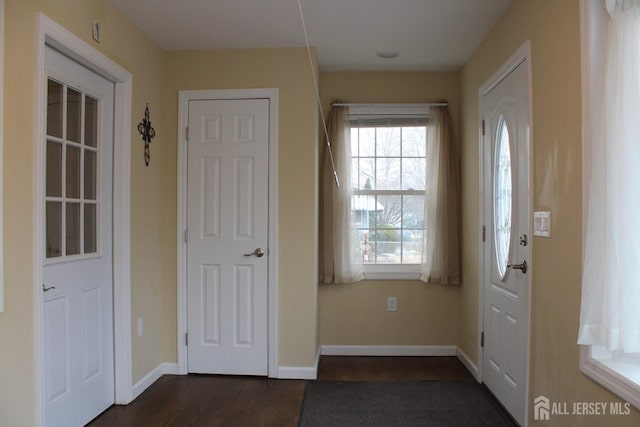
column 227, row 236
column 507, row 249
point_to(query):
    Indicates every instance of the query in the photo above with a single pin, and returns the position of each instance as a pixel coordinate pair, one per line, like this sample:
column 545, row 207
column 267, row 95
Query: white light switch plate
column 542, row 224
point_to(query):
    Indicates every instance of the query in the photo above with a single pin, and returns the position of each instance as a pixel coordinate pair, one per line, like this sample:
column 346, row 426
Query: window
column 71, row 170
column 503, row 193
column 617, row 370
column 396, row 213
column 388, row 153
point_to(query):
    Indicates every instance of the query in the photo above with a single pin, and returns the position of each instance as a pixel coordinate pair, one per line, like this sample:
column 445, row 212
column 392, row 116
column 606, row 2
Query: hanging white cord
column 316, row 86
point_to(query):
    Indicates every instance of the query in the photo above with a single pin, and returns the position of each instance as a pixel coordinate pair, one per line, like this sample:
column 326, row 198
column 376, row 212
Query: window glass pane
column 388, row 142
column 412, row 245
column 413, row 212
column 367, row 142
column 366, row 177
column 90, row 121
column 54, row 169
column 387, row 173
column 413, row 173
column 386, row 237
column 414, row 141
column 74, row 110
column 412, row 229
column 53, row 229
column 390, row 215
column 90, row 229
column 90, row 174
column 387, row 251
column 72, row 229
column 354, row 142
column 73, row 172
column 502, row 197
column 364, row 210
column 54, row 109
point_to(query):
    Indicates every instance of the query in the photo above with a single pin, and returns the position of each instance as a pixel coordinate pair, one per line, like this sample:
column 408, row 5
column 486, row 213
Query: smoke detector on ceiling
column 387, row 55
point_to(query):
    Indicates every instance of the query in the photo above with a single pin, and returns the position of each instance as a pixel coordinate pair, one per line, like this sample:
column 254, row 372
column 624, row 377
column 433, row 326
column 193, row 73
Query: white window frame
column 612, row 373
column 390, row 271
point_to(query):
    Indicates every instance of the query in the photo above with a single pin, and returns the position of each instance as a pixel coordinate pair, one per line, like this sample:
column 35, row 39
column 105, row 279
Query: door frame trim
column 183, row 119
column 522, row 54
column 53, row 34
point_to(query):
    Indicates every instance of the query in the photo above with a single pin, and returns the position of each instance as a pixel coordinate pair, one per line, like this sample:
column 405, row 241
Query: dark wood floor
column 213, row 400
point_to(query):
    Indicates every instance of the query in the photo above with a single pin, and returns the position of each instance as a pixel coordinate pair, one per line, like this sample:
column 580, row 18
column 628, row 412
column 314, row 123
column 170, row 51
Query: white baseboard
column 466, row 361
column 388, row 350
column 300, row 372
column 297, row 373
column 153, row 376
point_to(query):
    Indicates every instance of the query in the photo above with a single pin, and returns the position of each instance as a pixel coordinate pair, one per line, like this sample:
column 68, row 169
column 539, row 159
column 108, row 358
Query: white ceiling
column 428, row 34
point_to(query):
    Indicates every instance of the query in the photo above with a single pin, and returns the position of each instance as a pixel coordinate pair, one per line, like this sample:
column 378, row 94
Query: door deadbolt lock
column 523, row 240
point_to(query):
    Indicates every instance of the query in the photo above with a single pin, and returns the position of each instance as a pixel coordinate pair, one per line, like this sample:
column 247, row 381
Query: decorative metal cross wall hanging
column 148, row 133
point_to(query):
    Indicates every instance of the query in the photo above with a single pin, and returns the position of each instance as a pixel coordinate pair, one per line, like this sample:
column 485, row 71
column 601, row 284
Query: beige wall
column 152, row 215
column 554, row 30
column 289, row 71
column 356, row 314
column 345, row 314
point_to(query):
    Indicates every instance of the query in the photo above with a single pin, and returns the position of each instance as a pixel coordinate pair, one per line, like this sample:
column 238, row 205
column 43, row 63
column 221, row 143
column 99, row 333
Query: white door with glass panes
column 227, row 247
column 507, row 247
column 77, row 290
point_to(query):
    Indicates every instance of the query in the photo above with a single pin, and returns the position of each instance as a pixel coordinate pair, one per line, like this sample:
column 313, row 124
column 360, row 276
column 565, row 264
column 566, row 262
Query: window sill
column 392, row 272
column 619, row 374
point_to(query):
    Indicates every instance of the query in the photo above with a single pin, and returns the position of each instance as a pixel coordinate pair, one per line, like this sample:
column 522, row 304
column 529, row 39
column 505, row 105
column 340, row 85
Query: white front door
column 77, row 290
column 227, row 248
column 507, row 248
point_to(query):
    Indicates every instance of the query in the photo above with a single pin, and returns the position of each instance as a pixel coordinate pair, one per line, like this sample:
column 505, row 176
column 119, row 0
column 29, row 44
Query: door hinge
column 483, row 128
column 186, row 133
column 482, row 339
column 186, row 338
column 484, row 233
column 186, row 235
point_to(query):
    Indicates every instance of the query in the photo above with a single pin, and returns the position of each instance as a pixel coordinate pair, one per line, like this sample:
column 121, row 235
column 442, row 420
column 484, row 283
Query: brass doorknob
column 522, row 267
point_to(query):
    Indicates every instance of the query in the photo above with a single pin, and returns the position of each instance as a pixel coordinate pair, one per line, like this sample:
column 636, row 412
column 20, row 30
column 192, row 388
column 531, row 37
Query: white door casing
column 506, row 251
column 227, row 245
column 77, row 291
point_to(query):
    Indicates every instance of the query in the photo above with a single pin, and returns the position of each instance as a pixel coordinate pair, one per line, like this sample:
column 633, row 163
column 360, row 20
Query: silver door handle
column 45, row 289
column 259, row 252
column 522, row 267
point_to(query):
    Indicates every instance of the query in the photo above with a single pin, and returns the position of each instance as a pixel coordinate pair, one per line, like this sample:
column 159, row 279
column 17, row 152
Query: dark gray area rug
column 409, row 403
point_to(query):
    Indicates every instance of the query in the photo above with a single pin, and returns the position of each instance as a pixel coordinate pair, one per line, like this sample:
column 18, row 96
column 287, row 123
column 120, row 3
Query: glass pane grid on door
column 71, row 190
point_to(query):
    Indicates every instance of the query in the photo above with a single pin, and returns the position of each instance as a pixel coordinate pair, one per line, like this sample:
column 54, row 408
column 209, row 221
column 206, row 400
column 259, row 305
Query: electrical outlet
column 140, row 327
column 392, row 304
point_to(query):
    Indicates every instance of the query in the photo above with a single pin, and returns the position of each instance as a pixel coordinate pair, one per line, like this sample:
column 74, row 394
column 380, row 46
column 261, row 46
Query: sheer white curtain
column 441, row 251
column 340, row 258
column 609, row 313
